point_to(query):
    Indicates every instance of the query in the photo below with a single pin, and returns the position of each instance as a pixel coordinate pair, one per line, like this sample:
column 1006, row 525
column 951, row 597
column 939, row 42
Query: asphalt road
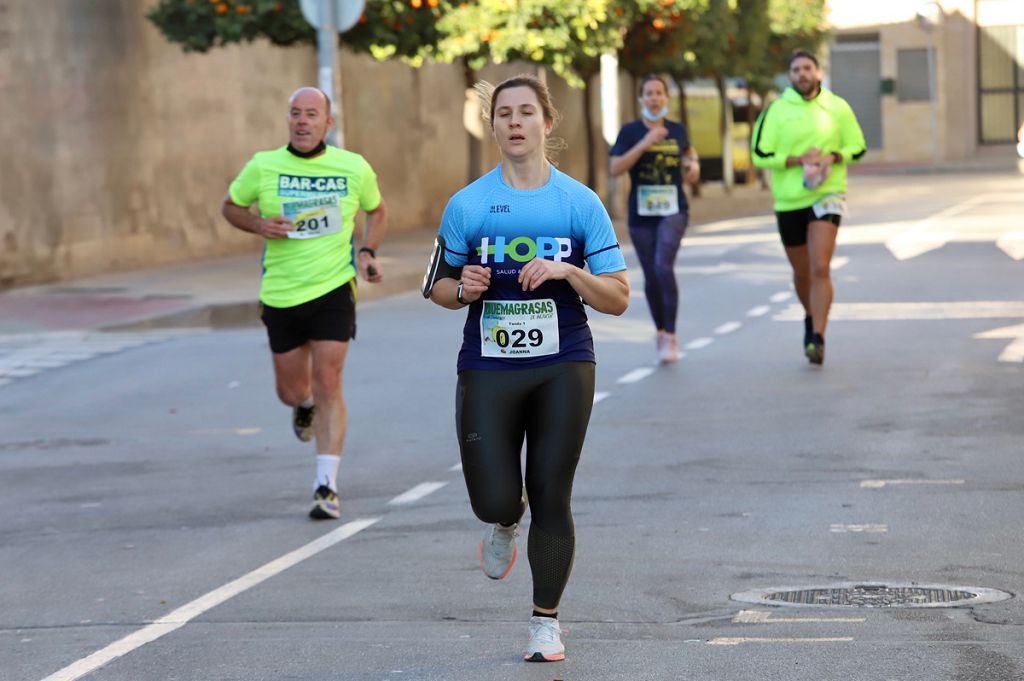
column 139, row 486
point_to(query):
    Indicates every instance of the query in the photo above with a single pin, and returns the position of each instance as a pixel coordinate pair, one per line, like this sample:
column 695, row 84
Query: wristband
column 458, row 295
column 367, row 249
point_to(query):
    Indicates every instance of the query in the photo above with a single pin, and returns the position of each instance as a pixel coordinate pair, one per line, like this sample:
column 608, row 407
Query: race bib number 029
column 313, row 217
column 657, row 199
column 519, row 328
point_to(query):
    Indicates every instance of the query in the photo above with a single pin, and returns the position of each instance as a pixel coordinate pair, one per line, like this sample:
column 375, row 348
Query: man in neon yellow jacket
column 806, row 138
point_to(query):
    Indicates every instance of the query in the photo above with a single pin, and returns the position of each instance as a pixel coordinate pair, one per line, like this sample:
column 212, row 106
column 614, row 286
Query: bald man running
column 308, row 195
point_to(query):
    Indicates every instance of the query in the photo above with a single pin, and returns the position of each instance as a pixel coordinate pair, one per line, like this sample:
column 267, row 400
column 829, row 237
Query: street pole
column 929, row 18
column 610, row 116
column 933, row 96
column 327, row 54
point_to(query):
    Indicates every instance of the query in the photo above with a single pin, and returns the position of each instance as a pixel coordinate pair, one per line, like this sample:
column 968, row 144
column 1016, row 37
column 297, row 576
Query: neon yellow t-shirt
column 321, row 195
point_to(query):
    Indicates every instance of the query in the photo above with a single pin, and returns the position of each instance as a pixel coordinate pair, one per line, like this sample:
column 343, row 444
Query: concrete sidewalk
column 223, row 293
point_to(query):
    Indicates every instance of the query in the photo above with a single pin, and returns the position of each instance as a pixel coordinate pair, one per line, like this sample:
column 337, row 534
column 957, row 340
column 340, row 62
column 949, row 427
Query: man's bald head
column 309, row 118
column 305, row 93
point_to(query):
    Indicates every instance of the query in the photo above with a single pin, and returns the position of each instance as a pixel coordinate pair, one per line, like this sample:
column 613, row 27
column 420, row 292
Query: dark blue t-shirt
column 661, row 165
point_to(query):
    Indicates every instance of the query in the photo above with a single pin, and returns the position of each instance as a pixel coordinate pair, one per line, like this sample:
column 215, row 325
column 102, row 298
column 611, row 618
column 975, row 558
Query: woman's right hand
column 655, row 135
column 475, row 280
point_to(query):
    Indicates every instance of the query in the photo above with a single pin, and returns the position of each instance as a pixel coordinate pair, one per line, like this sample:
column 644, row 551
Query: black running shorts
column 332, row 316
column 793, row 224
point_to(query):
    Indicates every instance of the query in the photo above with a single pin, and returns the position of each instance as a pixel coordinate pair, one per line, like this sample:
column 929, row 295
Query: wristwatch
column 458, row 295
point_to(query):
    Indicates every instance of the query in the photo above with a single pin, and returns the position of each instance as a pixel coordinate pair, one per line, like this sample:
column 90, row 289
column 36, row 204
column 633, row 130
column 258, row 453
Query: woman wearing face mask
column 658, row 155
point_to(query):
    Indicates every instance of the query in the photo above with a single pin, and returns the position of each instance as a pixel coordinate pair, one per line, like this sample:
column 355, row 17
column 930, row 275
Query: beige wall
column 118, row 147
column 907, row 132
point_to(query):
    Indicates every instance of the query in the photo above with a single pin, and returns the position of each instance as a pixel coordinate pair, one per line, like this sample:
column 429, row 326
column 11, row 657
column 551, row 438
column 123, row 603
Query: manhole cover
column 873, row 595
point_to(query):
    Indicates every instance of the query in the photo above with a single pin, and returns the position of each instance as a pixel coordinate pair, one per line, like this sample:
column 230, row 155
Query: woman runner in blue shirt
column 512, row 248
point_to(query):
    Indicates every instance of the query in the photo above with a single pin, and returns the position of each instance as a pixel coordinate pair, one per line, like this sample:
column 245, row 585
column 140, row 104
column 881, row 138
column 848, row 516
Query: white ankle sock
column 327, row 471
column 306, row 403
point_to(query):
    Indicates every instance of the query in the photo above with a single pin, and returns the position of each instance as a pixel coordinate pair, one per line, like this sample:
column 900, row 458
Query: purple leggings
column 656, row 247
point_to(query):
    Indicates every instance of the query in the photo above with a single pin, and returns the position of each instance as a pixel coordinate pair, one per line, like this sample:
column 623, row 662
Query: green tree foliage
column 199, row 25
column 568, row 36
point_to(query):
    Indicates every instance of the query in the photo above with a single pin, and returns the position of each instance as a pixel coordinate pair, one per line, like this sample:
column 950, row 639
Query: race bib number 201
column 313, row 217
column 519, row 328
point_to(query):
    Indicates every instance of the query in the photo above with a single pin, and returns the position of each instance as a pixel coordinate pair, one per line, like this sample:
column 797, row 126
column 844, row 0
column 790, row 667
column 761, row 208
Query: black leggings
column 549, row 406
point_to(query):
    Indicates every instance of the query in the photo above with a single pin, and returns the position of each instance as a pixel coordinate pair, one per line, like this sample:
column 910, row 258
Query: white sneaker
column 668, row 349
column 498, row 550
column 545, row 643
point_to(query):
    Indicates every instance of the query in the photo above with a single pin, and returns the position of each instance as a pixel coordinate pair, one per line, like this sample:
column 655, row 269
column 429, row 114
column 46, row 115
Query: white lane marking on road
column 178, row 618
column 922, row 236
column 759, row 311
column 456, row 467
column 600, row 396
column 840, row 262
column 1014, row 352
column 762, row 617
column 863, row 527
column 698, row 343
column 636, row 375
column 736, row 640
column 979, row 309
column 416, row 493
column 1012, row 244
column 728, row 327
column 225, row 431
column 781, row 296
column 877, row 484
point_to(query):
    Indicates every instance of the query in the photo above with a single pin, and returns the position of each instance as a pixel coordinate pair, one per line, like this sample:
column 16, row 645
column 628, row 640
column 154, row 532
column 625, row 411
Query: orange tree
column 403, row 29
column 568, row 36
column 659, row 39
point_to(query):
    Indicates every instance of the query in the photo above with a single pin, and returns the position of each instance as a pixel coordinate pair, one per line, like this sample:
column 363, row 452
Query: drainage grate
column 874, row 595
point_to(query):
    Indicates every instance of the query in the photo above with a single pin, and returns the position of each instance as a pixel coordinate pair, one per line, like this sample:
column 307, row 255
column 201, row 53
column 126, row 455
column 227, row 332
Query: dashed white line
column 416, row 493
column 636, row 375
column 875, row 484
column 698, row 343
column 761, row 617
column 839, row 262
column 736, row 640
column 863, row 527
column 600, row 396
column 178, row 618
column 728, row 327
column 781, row 296
column 456, row 467
column 759, row 311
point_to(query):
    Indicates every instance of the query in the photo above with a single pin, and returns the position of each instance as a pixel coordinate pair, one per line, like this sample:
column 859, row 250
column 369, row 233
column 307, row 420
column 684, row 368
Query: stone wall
column 118, row 147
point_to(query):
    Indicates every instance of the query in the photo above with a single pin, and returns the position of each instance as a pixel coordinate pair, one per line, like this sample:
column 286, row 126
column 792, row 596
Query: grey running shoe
column 498, row 550
column 545, row 643
column 325, row 504
column 302, row 422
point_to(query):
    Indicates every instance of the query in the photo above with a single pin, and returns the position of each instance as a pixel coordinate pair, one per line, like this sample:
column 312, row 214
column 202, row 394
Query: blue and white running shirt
column 489, row 223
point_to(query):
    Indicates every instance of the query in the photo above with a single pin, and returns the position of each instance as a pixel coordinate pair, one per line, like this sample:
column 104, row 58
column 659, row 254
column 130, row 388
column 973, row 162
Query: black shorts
column 793, row 224
column 332, row 316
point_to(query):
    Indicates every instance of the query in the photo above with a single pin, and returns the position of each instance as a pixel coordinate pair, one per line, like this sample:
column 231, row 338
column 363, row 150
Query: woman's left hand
column 539, row 270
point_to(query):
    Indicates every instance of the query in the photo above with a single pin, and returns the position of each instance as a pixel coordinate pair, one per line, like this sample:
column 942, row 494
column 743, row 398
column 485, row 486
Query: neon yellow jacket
column 790, row 126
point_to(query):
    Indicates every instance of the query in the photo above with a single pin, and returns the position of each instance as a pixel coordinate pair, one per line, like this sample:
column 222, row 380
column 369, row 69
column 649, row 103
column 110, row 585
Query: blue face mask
column 654, row 117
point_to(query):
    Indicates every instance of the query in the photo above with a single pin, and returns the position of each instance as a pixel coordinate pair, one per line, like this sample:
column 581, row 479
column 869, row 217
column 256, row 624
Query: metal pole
column 610, row 116
column 933, row 96
column 327, row 50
